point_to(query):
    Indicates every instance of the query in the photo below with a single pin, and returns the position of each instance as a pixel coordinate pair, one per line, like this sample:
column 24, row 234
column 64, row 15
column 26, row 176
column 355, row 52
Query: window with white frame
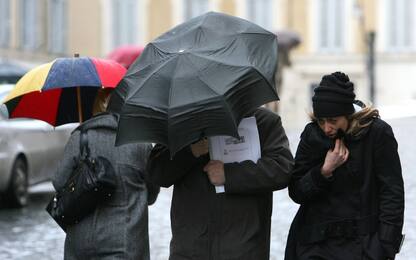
column 331, row 25
column 260, row 12
column 125, row 25
column 4, row 23
column 194, row 8
column 29, row 38
column 57, row 33
column 400, row 25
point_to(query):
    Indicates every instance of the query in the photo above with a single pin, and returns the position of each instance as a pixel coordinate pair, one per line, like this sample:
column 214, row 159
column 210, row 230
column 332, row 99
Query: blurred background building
column 373, row 41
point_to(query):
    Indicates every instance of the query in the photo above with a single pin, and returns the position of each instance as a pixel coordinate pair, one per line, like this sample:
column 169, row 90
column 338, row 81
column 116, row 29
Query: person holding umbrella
column 200, row 80
column 347, row 179
column 230, row 225
column 118, row 228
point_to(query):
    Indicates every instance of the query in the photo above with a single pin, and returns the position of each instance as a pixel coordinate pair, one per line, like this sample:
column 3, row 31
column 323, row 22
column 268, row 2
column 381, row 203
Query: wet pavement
column 30, row 233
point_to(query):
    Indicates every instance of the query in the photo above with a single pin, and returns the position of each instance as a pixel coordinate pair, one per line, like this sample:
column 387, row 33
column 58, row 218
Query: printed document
column 229, row 149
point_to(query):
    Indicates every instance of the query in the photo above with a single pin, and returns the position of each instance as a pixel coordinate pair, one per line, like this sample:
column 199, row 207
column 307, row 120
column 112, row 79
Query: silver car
column 29, row 153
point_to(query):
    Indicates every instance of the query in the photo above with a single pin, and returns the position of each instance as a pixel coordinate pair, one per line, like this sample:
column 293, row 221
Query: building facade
column 335, row 36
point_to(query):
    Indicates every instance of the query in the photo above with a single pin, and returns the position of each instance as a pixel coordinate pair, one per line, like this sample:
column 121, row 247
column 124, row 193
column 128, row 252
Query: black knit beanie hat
column 334, row 96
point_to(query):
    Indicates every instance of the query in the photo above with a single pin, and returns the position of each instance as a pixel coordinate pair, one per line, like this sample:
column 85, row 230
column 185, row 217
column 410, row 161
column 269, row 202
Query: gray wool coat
column 118, row 228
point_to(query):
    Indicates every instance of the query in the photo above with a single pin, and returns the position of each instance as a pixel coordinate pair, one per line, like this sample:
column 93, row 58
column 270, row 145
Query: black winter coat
column 230, row 225
column 358, row 212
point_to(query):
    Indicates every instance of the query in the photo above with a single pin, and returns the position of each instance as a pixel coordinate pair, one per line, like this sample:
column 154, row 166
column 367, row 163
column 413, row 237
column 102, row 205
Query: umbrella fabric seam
column 168, row 110
column 163, row 63
column 199, row 76
column 223, row 62
column 94, row 68
column 221, row 96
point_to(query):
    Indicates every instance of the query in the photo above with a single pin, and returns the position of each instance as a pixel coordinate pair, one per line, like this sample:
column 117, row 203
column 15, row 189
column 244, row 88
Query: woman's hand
column 335, row 158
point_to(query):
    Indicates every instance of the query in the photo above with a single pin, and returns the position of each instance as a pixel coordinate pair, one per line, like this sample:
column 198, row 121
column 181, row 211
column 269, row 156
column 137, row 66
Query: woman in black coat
column 347, row 179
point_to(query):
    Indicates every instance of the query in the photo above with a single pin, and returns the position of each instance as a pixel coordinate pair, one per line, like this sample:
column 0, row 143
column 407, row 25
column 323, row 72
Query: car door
column 57, row 139
column 31, row 138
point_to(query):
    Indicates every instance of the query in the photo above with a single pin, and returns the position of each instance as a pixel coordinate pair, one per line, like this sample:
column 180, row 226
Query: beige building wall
column 297, row 20
column 227, row 6
column 84, row 27
column 159, row 17
column 42, row 28
column 15, row 23
column 15, row 51
column 366, row 21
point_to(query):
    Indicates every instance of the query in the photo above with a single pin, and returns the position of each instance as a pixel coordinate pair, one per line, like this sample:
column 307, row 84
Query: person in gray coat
column 118, row 228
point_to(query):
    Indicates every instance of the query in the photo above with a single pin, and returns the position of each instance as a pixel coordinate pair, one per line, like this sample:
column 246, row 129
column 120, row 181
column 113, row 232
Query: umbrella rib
column 220, row 95
column 223, row 62
column 198, row 71
column 262, row 33
column 168, row 110
column 164, row 63
column 234, row 65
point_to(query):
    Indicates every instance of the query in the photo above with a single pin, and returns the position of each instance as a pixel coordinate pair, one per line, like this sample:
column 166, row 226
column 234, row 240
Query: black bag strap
column 83, row 142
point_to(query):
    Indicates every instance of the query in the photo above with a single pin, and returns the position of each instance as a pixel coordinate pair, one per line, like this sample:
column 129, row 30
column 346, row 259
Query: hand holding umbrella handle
column 200, row 148
column 215, row 172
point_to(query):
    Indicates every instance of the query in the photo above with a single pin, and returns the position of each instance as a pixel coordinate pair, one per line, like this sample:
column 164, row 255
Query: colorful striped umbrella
column 62, row 91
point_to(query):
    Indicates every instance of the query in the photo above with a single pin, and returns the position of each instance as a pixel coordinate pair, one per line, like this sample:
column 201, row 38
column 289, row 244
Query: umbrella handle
column 79, row 104
column 76, row 55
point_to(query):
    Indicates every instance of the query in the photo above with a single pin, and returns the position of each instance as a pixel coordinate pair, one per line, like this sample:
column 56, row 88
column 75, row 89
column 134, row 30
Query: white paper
column 229, row 149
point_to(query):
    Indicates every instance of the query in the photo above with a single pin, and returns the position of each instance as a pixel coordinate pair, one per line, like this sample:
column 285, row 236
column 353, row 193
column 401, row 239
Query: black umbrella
column 198, row 79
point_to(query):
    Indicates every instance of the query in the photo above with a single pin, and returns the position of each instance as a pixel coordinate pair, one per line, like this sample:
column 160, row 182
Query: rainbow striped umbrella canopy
column 62, row 91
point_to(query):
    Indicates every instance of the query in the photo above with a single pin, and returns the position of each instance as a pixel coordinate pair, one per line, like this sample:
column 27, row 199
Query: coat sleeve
column 307, row 183
column 164, row 171
column 271, row 172
column 152, row 188
column 390, row 191
column 67, row 164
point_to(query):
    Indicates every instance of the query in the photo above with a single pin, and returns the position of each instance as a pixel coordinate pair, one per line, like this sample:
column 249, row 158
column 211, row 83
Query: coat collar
column 103, row 120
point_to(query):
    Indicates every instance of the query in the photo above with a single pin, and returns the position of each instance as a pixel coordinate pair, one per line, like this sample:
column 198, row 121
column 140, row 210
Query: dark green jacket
column 234, row 224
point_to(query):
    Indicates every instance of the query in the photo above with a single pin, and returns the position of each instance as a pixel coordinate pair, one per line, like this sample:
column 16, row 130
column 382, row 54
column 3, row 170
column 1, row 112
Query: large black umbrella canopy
column 197, row 80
